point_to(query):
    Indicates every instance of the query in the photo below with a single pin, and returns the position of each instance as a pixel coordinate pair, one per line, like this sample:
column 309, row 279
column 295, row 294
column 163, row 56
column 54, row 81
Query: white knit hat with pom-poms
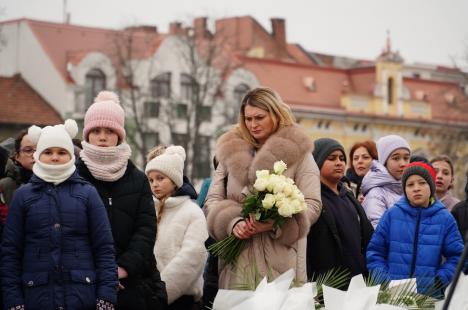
column 53, row 136
column 105, row 112
column 170, row 163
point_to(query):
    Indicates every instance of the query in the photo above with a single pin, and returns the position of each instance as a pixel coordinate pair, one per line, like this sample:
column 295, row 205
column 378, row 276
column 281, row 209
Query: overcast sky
column 427, row 31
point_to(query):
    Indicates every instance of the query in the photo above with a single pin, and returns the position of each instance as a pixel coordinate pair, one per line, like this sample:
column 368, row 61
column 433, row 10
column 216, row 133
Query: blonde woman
column 266, row 132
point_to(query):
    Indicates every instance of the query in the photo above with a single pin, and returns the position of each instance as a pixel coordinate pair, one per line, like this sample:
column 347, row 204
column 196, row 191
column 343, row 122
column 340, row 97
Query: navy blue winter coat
column 410, row 242
column 57, row 249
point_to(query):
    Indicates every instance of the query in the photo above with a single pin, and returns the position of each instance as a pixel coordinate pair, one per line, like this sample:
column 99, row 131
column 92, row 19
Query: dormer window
column 95, row 81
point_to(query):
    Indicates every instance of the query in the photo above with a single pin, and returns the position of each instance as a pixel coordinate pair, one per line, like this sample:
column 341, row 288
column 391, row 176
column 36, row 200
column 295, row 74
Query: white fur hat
column 170, row 163
column 53, row 136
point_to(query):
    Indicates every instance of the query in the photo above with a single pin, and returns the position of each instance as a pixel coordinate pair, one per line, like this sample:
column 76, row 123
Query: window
column 95, row 81
column 161, row 86
column 180, row 139
column 390, row 91
column 188, row 87
column 204, row 113
column 181, row 110
column 151, row 139
column 151, row 109
column 201, row 158
column 239, row 92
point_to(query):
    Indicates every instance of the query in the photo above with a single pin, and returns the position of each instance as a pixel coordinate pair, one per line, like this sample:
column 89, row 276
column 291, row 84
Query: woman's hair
column 268, row 100
column 369, row 145
column 155, row 152
column 447, row 160
column 18, row 140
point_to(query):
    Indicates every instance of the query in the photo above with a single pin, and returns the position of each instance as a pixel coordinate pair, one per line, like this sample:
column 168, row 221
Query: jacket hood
column 17, row 172
column 378, row 176
column 186, row 189
column 404, row 204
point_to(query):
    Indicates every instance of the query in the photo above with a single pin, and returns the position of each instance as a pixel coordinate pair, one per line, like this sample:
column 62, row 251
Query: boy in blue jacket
column 57, row 250
column 412, row 237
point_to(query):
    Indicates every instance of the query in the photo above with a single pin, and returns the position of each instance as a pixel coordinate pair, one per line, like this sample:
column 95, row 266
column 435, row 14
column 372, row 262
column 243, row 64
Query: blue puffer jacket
column 57, row 249
column 410, row 242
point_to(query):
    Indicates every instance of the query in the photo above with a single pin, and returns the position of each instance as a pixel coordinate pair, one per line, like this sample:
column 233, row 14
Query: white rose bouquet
column 276, row 198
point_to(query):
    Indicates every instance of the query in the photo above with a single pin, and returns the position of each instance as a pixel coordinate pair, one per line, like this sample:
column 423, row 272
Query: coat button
column 57, row 225
column 88, row 280
column 30, row 283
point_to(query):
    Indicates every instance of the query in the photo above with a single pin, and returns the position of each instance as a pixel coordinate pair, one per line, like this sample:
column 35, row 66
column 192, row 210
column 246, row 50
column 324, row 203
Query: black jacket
column 460, row 213
column 324, row 245
column 132, row 216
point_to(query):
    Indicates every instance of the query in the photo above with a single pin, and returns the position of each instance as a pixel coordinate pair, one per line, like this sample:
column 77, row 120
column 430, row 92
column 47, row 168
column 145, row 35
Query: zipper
column 110, row 201
column 415, row 244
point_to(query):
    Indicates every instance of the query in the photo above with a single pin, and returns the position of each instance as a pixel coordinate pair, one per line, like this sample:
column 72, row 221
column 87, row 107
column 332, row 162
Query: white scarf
column 55, row 174
column 106, row 163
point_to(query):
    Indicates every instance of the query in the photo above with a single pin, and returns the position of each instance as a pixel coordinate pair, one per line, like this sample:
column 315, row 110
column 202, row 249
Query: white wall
column 25, row 55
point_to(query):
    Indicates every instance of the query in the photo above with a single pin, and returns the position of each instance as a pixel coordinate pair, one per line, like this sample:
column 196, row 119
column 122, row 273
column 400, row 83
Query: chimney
column 279, row 31
column 199, row 25
column 175, row 28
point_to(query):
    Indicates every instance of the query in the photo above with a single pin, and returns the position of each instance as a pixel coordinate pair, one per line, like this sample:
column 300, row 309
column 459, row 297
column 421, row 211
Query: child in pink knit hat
column 105, row 162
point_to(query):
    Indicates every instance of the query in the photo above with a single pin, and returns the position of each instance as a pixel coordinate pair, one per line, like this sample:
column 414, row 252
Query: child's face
column 161, row 185
column 397, row 161
column 444, row 178
column 103, row 136
column 333, row 167
column 55, row 156
column 418, row 191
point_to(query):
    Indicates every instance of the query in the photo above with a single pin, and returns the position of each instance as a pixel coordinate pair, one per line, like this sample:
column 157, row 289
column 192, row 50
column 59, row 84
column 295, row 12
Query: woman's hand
column 122, row 273
column 242, row 230
column 256, row 227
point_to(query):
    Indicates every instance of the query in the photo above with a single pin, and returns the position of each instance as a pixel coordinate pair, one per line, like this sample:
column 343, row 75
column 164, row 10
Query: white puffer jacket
column 180, row 247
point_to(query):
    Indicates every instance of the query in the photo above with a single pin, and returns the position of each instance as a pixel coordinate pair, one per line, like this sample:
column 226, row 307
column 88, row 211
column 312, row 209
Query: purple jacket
column 380, row 191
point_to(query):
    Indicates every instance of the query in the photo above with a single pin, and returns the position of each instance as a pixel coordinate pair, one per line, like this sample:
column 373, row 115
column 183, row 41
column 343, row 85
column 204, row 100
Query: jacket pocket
column 36, row 290
column 83, row 276
column 82, row 291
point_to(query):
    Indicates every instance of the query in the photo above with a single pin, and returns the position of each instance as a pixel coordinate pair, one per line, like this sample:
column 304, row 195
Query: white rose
column 262, row 174
column 279, row 167
column 272, row 181
column 278, row 187
column 261, row 184
column 288, row 189
column 297, row 206
column 269, row 201
column 285, row 210
column 280, row 197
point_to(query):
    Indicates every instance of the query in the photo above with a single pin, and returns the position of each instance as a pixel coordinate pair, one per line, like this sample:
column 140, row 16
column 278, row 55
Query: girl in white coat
column 180, row 243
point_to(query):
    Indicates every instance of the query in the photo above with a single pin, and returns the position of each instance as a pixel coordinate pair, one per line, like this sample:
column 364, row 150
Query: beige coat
column 272, row 253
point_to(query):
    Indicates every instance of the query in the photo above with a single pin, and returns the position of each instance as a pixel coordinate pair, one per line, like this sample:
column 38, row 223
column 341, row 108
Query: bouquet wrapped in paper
column 275, row 198
column 276, row 295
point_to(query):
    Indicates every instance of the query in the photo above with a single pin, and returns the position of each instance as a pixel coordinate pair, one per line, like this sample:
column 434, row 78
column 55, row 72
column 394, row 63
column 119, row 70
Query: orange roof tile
column 20, row 104
column 64, row 42
column 288, row 80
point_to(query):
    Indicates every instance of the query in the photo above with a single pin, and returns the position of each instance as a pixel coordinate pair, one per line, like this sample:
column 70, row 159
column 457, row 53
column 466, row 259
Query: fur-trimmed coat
column 273, row 253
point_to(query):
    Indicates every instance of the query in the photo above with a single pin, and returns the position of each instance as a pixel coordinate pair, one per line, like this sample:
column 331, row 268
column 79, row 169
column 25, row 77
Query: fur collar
column 289, row 144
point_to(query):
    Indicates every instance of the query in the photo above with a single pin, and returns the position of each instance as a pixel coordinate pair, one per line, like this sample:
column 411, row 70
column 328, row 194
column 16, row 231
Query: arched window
column 188, row 87
column 390, row 91
column 239, row 92
column 95, row 81
column 161, row 86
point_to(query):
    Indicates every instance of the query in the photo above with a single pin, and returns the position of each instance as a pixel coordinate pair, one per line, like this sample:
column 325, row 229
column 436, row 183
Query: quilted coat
column 57, row 250
column 410, row 242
